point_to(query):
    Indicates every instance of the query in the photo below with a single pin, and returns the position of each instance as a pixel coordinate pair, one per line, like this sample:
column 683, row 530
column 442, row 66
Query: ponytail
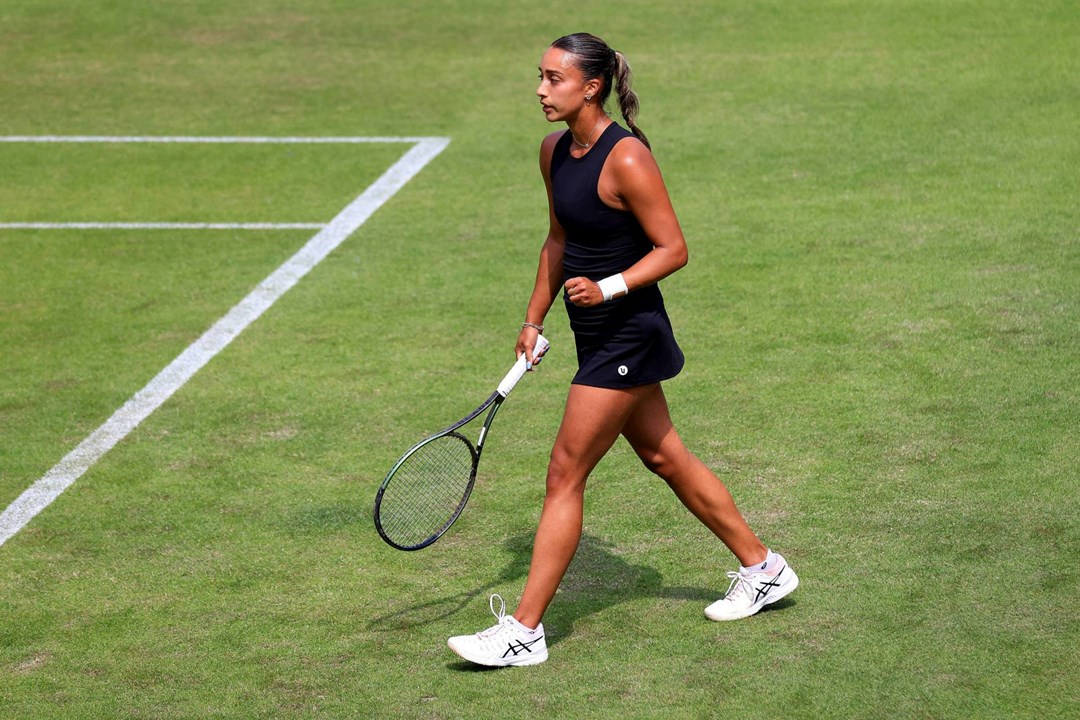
column 596, row 59
column 628, row 99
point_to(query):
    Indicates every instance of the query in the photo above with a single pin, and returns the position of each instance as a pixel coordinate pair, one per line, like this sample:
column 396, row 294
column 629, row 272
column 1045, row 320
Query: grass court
column 880, row 318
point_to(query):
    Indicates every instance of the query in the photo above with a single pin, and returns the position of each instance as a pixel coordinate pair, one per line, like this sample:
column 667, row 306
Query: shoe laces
column 739, row 584
column 499, row 614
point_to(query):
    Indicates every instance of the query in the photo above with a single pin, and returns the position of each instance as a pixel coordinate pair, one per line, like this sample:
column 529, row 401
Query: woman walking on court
column 613, row 236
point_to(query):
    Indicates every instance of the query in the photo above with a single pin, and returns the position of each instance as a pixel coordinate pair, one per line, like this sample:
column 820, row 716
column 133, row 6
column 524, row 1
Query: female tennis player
column 613, row 236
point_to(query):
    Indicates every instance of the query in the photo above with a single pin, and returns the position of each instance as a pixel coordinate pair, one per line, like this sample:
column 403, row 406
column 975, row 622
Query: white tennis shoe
column 751, row 591
column 507, row 642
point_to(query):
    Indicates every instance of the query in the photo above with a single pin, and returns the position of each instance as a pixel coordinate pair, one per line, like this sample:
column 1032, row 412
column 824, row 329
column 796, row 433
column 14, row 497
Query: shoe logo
column 766, row 587
column 623, row 370
column 519, row 647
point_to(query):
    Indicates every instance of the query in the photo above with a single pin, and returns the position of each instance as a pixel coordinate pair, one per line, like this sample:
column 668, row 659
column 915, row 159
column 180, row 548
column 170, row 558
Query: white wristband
column 613, row 285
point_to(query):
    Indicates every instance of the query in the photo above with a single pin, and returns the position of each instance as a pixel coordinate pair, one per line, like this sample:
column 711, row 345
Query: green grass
column 880, row 317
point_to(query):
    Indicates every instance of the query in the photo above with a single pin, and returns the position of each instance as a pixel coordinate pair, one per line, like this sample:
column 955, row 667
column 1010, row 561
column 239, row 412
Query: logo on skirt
column 623, row 370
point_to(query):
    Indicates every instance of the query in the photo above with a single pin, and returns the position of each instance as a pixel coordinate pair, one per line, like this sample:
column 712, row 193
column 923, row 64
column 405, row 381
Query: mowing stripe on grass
column 39, row 495
column 212, row 140
column 207, row 139
column 158, row 226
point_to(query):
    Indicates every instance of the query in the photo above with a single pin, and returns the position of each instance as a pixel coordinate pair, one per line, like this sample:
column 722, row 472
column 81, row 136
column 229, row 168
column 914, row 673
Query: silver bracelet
column 534, row 326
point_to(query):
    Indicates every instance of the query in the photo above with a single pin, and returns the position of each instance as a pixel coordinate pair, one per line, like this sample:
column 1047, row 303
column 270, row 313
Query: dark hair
column 595, row 59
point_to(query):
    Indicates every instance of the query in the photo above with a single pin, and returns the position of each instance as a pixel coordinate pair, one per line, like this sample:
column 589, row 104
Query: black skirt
column 626, row 342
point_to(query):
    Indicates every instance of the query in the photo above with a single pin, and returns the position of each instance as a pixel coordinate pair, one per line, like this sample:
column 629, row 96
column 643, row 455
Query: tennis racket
column 427, row 488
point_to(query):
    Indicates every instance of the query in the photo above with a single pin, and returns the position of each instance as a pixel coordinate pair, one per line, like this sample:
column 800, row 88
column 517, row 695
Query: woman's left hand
column 583, row 292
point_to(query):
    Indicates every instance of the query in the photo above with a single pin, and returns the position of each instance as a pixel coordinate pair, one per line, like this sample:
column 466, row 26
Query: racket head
column 426, row 490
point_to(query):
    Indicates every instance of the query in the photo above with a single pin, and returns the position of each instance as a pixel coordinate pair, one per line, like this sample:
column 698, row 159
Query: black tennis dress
column 627, row 341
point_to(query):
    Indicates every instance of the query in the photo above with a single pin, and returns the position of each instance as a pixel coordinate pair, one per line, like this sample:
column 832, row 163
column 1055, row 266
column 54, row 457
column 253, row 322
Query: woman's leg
column 591, row 423
column 653, row 437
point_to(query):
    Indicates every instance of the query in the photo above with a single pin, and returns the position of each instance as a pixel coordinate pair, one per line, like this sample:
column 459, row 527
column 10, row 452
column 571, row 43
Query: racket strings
column 427, row 490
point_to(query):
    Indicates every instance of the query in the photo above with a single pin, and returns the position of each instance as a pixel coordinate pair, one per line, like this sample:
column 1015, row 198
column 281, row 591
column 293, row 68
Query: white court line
column 39, row 495
column 157, row 226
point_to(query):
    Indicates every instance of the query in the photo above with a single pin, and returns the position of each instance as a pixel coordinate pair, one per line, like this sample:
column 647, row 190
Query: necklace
column 588, row 140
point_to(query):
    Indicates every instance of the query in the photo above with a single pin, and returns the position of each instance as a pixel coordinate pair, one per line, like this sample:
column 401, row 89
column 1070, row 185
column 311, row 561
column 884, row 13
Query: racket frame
column 494, row 402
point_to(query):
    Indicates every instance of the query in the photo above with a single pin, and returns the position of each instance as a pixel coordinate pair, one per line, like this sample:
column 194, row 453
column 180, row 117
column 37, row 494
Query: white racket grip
column 520, row 367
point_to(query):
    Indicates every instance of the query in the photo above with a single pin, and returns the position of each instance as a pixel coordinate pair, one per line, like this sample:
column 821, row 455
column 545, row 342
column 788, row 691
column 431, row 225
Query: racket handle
column 520, row 367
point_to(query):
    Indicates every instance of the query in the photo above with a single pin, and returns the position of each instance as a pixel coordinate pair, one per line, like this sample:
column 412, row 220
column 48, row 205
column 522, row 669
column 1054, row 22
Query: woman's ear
column 592, row 89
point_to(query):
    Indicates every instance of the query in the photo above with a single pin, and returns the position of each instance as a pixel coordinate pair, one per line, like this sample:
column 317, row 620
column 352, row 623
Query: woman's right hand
column 526, row 343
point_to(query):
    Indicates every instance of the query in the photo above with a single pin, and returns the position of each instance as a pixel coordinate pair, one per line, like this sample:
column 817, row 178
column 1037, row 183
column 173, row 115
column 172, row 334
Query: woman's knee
column 670, row 460
column 658, row 463
column 565, row 473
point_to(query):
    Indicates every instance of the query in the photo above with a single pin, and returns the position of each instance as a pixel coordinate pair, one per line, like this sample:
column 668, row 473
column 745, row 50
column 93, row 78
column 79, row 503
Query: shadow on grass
column 597, row 579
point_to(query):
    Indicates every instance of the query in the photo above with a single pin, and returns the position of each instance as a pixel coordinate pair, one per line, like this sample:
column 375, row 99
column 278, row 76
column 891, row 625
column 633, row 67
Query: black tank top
column 600, row 240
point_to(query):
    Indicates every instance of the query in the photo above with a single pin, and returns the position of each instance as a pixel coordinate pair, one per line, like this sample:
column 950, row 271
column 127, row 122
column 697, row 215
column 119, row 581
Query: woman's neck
column 587, row 128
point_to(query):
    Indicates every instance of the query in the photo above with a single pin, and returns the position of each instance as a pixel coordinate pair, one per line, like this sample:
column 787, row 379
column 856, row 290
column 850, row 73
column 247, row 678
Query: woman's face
column 562, row 87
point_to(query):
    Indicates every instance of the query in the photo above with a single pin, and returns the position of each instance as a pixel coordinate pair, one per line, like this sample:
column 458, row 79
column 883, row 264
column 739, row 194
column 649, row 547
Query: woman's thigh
column 592, row 421
column 650, row 432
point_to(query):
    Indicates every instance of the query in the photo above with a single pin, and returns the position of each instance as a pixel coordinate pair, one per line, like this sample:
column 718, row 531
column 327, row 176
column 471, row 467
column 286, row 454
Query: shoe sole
column 531, row 659
column 780, row 593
